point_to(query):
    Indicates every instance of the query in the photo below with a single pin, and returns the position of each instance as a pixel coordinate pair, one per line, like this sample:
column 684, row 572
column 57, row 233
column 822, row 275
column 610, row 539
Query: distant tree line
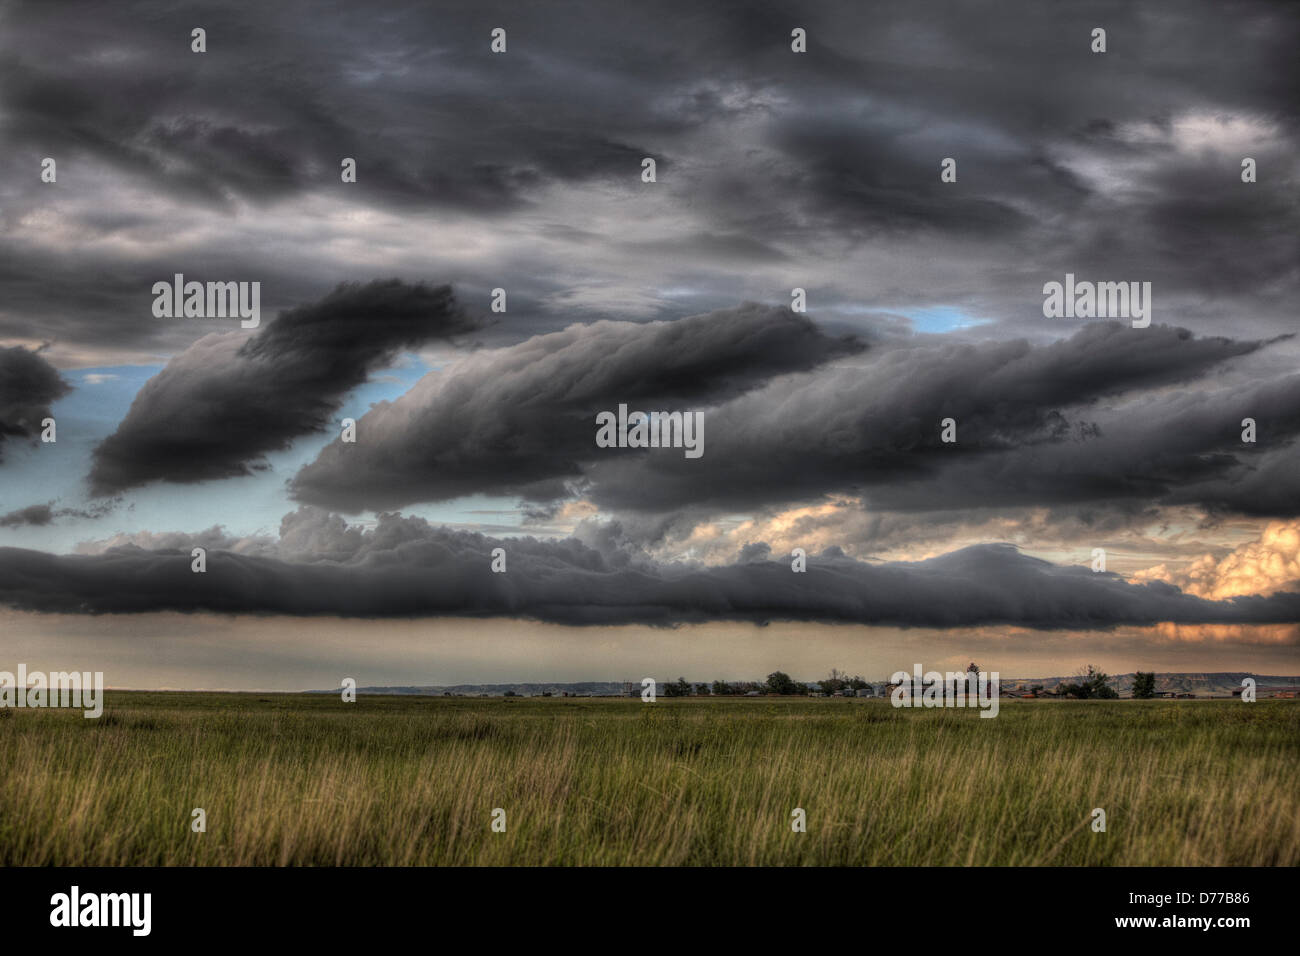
column 777, row 682
column 1091, row 684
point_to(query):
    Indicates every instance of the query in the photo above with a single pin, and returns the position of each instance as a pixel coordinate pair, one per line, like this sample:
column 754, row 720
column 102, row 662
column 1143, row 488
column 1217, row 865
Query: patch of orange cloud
column 1265, row 566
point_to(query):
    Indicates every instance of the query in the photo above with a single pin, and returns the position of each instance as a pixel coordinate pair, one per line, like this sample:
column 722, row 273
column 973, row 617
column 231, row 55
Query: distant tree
column 702, row 690
column 1144, row 685
column 779, row 682
column 509, row 693
column 1036, row 689
column 1100, row 689
column 857, row 683
column 722, row 689
column 832, row 684
column 679, row 689
column 1090, row 686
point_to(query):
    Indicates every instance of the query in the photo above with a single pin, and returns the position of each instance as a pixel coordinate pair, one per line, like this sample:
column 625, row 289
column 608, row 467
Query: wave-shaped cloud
column 522, row 419
column 216, row 408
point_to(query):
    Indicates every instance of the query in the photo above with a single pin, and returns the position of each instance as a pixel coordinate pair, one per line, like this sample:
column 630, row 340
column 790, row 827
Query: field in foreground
column 291, row 779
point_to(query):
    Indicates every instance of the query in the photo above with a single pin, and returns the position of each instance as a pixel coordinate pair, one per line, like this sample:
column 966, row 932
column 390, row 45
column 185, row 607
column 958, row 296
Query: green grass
column 289, row 779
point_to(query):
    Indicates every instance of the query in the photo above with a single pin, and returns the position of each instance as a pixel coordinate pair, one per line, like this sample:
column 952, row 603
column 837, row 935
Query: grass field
column 308, row 780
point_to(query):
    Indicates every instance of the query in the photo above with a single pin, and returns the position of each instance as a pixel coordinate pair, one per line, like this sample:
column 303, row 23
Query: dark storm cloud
column 522, row 419
column 230, row 398
column 1079, row 420
column 405, row 568
column 1168, row 449
column 1027, row 422
column 28, row 385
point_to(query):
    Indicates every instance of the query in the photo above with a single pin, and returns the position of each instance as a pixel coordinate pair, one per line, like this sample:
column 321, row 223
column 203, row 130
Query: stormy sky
column 475, row 427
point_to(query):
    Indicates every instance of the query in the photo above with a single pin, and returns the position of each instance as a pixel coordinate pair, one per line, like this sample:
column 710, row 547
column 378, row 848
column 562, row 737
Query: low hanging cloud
column 28, row 386
column 405, row 567
column 522, row 419
column 228, row 399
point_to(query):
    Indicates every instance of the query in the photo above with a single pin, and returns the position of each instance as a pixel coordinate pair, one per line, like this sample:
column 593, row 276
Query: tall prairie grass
column 310, row 780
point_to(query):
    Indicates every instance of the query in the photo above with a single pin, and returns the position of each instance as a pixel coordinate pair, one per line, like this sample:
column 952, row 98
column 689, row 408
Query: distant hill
column 1202, row 685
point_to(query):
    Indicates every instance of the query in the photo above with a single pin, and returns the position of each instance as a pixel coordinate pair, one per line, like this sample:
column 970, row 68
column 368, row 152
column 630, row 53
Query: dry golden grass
column 309, row 780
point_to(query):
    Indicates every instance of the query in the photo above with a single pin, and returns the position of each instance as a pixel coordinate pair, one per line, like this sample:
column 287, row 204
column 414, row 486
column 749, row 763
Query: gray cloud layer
column 1123, row 164
column 404, row 567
